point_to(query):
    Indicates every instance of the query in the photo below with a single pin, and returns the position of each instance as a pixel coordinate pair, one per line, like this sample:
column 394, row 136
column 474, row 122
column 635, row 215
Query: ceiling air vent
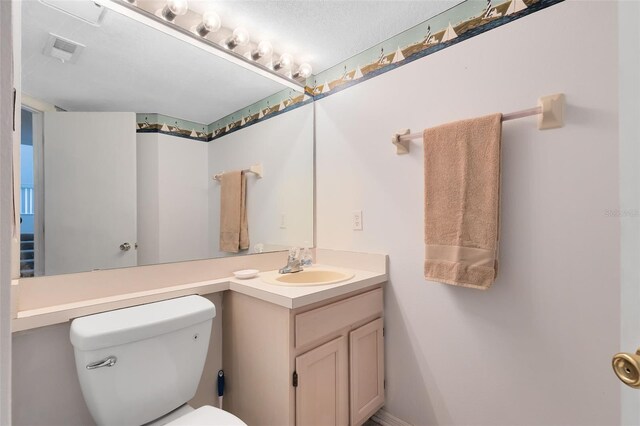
column 62, row 49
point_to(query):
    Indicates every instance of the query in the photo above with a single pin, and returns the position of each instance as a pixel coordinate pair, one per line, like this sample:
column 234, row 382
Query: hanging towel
column 234, row 230
column 462, row 201
column 244, row 224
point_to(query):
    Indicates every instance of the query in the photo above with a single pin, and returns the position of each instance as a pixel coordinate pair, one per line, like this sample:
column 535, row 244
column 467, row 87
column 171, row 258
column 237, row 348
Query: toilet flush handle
column 107, row 362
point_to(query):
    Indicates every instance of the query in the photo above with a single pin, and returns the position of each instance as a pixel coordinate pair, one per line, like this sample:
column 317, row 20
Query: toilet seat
column 207, row 416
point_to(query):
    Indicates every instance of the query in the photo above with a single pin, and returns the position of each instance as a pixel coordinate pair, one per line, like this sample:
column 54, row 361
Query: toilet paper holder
column 627, row 368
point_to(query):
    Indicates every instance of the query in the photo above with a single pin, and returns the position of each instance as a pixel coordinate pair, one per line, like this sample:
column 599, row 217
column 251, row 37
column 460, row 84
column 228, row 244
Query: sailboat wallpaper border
column 274, row 105
column 264, row 109
column 461, row 22
column 158, row 123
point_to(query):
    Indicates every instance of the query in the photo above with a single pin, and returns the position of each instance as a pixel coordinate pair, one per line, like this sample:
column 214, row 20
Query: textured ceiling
column 323, row 33
column 127, row 66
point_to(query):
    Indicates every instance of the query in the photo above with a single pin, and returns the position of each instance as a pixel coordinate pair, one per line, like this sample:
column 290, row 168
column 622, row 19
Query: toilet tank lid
column 127, row 325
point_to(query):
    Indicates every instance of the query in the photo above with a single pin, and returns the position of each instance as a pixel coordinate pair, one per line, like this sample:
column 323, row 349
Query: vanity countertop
column 297, row 296
column 287, row 296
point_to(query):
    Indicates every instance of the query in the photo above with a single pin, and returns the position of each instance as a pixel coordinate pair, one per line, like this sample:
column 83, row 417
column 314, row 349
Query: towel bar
column 550, row 112
column 255, row 169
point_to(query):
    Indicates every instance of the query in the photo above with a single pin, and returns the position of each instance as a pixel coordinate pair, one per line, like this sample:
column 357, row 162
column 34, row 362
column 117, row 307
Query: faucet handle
column 294, row 253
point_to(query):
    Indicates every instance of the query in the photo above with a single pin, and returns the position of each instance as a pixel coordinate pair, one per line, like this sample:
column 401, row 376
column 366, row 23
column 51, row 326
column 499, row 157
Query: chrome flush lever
column 107, row 362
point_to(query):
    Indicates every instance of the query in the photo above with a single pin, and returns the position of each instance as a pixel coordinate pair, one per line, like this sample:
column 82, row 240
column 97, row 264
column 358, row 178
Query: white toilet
column 141, row 365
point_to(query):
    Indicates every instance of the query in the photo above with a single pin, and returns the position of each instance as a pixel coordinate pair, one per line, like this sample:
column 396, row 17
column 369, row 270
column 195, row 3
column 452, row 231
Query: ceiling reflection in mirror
column 125, row 126
column 124, row 65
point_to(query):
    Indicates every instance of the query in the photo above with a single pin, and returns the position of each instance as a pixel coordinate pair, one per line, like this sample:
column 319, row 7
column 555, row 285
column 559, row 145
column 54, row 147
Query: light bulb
column 285, row 61
column 264, row 49
column 240, row 37
column 174, row 8
column 304, row 71
column 210, row 23
column 179, row 7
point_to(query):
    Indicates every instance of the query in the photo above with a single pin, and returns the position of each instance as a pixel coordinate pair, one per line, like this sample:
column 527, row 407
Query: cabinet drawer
column 321, row 322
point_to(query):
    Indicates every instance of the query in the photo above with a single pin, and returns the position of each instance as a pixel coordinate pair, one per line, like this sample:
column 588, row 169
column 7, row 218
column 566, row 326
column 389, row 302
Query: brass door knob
column 627, row 368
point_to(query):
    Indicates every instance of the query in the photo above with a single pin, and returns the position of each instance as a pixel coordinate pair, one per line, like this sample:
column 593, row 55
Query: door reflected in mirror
column 119, row 150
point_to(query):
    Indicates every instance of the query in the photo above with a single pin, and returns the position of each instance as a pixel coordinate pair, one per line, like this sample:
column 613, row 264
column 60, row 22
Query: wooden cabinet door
column 322, row 393
column 366, row 371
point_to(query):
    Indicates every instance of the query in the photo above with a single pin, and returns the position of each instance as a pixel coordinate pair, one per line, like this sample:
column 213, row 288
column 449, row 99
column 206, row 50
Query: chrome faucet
column 294, row 263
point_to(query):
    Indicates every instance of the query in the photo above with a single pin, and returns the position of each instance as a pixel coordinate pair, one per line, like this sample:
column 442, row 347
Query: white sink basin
column 308, row 277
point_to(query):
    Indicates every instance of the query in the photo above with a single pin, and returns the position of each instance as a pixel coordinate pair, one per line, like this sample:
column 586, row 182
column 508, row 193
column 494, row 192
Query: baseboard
column 384, row 418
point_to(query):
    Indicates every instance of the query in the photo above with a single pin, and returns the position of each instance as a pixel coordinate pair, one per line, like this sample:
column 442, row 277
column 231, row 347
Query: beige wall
column 536, row 347
column 45, row 386
column 46, row 390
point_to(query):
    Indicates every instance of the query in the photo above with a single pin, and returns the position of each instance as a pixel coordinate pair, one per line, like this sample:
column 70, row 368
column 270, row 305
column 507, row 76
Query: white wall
column 535, row 348
column 173, row 206
column 629, row 95
column 147, row 179
column 284, row 146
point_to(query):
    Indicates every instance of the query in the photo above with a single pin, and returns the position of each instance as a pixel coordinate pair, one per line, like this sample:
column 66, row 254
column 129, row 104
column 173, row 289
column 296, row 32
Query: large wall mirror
column 118, row 156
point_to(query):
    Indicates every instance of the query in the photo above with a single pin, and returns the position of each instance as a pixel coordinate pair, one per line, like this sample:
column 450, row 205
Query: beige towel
column 234, row 229
column 462, row 201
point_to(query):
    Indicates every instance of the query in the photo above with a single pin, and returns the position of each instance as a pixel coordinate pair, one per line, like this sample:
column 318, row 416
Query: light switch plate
column 357, row 220
column 283, row 221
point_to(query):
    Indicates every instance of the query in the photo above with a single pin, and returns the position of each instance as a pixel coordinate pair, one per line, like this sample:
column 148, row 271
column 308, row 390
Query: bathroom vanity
column 330, row 335
column 322, row 363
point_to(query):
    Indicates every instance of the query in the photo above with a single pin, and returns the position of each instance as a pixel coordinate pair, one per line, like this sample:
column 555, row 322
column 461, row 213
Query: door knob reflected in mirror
column 125, row 246
column 627, row 368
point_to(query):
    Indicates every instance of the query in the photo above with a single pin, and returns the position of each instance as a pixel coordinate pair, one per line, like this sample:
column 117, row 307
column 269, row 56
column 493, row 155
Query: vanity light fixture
column 240, row 37
column 284, row 62
column 210, row 23
column 147, row 13
column 304, row 71
column 174, row 8
column 264, row 49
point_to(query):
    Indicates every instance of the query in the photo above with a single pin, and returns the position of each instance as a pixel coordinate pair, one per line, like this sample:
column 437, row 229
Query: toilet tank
column 159, row 351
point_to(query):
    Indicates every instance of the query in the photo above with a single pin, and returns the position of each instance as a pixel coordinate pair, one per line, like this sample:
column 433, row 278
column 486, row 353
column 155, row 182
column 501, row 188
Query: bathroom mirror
column 121, row 143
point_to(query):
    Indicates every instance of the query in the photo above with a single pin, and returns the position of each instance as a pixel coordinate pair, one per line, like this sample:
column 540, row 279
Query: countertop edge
column 338, row 291
column 58, row 314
